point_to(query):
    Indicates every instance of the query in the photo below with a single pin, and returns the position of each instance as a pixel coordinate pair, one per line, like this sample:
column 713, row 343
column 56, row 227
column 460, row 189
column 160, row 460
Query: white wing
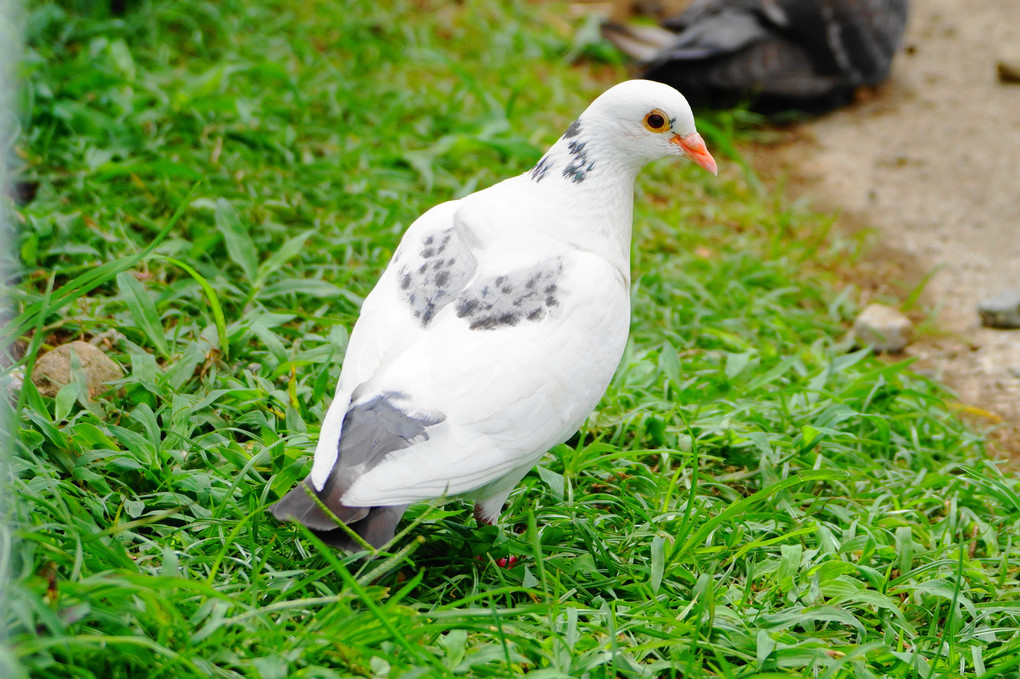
column 384, row 329
column 506, row 394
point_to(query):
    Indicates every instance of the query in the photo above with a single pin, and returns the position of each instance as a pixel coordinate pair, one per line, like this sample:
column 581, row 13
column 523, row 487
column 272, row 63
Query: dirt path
column 932, row 162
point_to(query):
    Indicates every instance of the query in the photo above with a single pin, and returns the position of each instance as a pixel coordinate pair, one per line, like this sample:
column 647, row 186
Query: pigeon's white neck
column 584, row 177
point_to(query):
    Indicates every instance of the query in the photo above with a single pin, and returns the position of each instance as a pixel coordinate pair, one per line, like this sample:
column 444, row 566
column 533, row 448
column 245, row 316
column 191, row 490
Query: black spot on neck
column 573, row 130
column 580, row 165
column 540, row 170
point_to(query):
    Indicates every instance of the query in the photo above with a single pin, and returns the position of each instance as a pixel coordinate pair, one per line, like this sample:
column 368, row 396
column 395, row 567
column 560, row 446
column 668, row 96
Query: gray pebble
column 1001, row 310
column 883, row 328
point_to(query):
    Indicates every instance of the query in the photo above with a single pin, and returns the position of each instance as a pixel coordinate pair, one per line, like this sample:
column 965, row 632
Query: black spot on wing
column 508, row 299
column 574, row 129
column 446, row 265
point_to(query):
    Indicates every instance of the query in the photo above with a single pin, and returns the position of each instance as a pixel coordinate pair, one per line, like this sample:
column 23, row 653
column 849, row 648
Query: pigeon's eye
column 656, row 121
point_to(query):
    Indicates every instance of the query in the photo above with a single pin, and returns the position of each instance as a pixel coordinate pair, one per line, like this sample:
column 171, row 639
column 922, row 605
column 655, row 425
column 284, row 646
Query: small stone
column 53, row 369
column 1008, row 67
column 1002, row 310
column 883, row 329
column 11, row 383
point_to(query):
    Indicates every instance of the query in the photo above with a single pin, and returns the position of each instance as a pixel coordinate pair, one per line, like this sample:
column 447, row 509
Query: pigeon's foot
column 505, row 562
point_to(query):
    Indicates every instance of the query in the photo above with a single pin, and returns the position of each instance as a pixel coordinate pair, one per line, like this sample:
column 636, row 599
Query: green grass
column 220, row 184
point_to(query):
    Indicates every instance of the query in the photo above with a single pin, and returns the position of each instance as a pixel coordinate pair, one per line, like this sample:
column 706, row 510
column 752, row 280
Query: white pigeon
column 495, row 330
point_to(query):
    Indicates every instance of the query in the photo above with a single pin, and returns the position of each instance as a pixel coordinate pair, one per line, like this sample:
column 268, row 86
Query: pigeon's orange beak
column 693, row 146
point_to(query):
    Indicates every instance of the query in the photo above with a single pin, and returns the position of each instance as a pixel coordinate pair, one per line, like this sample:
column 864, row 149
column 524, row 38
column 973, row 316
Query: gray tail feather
column 376, row 525
column 377, row 528
column 297, row 505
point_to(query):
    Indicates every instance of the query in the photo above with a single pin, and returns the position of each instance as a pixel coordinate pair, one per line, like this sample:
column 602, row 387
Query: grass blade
column 86, row 282
column 240, row 247
column 142, row 310
column 214, row 302
column 747, row 503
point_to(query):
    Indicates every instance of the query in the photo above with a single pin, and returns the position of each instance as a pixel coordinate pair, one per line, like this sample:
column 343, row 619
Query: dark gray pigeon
column 808, row 55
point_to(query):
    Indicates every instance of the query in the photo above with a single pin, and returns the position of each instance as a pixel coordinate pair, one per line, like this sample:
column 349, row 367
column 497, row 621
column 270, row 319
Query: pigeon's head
column 644, row 121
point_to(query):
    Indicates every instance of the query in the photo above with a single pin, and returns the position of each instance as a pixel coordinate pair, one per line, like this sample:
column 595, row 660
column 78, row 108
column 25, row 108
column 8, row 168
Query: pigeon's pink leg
column 480, row 516
column 505, row 562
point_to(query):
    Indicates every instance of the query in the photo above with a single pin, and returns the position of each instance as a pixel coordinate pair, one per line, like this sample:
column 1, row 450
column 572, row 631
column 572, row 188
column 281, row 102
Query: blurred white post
column 11, row 31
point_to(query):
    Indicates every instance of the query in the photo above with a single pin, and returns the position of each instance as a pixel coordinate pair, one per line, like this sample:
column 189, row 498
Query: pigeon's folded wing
column 723, row 31
column 384, row 329
column 509, row 368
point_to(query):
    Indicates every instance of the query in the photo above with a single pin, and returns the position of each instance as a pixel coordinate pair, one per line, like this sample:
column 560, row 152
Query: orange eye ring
column 656, row 121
